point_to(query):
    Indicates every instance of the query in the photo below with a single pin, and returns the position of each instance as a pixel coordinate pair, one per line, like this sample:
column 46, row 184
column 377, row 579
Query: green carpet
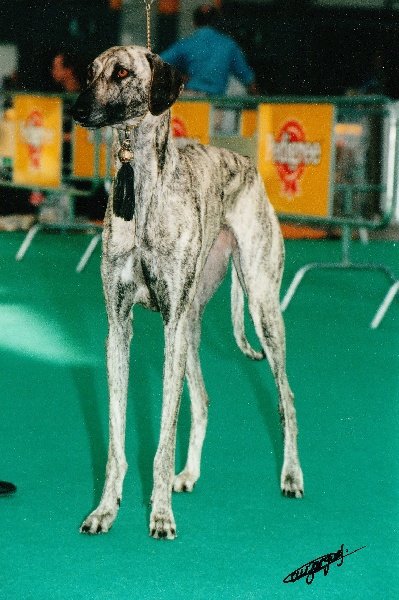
column 237, row 536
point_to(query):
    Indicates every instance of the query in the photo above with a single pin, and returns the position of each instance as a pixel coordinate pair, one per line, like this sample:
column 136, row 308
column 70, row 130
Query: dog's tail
column 237, row 314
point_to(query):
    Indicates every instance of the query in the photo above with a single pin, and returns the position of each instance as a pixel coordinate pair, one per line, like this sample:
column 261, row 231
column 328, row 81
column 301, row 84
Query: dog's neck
column 152, row 145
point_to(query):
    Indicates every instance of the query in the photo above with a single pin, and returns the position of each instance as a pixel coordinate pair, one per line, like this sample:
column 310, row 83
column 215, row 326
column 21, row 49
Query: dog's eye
column 122, row 73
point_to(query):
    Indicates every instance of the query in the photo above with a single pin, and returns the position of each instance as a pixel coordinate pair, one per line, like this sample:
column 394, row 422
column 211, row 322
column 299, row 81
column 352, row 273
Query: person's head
column 205, row 15
column 65, row 71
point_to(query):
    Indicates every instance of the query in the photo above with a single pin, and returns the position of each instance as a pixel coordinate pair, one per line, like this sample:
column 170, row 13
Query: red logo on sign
column 178, row 128
column 291, row 154
column 33, row 129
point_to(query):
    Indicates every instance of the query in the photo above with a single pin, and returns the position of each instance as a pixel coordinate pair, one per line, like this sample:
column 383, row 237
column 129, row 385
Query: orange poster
column 249, row 123
column 191, row 120
column 91, row 152
column 295, row 156
column 38, row 133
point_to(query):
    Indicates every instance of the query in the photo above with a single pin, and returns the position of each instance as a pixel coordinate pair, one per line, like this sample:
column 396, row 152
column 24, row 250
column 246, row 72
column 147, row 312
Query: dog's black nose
column 79, row 112
column 86, row 110
column 82, row 108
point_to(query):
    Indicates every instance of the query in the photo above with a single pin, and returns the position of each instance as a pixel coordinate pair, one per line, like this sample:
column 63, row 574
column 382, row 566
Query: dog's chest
column 134, row 275
column 161, row 264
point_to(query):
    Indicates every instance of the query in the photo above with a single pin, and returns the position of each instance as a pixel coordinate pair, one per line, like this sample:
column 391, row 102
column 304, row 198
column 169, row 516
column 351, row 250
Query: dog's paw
column 162, row 525
column 292, row 483
column 184, row 482
column 99, row 521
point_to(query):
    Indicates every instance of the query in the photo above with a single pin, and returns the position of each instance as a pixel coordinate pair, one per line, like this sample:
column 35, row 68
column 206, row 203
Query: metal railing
column 363, row 174
column 363, row 178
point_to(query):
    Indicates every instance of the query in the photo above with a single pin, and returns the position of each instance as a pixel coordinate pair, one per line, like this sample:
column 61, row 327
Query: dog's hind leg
column 259, row 259
column 269, row 326
column 212, row 275
column 119, row 303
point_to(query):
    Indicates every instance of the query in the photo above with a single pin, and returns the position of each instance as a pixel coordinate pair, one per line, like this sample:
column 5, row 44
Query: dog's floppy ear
column 166, row 85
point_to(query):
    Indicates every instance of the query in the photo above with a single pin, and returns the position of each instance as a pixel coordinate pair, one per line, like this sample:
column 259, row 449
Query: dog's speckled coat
column 195, row 207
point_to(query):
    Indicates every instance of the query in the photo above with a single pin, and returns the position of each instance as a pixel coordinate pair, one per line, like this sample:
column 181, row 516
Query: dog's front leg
column 162, row 523
column 199, row 401
column 119, row 302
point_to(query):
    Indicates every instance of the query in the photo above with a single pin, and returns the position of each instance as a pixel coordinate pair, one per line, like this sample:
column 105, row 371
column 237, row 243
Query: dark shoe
column 7, row 488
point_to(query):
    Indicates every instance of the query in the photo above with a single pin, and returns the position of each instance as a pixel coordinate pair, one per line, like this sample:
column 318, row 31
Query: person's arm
column 242, row 70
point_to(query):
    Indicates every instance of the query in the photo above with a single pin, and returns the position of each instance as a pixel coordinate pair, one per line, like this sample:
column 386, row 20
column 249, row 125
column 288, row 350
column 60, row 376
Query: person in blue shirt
column 208, row 57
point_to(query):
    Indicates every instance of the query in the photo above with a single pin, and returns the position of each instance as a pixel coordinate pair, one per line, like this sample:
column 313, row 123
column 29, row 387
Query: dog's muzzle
column 83, row 113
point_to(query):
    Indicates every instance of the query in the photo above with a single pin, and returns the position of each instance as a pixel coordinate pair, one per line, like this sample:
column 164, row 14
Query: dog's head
column 123, row 83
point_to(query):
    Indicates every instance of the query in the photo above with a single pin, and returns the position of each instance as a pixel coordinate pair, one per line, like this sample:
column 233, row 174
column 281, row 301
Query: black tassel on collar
column 123, row 197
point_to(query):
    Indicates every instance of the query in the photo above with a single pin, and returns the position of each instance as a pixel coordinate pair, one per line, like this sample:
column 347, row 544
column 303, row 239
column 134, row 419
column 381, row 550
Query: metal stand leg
column 364, row 235
column 27, row 241
column 380, row 314
column 88, row 252
column 294, row 285
column 63, row 227
column 346, row 264
column 341, row 266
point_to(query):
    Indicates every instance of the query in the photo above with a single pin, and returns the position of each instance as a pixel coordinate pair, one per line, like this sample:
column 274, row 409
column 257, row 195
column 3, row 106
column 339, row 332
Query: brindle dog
column 195, row 207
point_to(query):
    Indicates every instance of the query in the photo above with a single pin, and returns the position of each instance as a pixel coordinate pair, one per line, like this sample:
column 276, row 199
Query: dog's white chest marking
column 119, row 236
column 127, row 271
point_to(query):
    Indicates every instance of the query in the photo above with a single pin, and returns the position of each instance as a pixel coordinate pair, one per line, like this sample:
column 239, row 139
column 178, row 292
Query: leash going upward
column 148, row 4
column 124, row 200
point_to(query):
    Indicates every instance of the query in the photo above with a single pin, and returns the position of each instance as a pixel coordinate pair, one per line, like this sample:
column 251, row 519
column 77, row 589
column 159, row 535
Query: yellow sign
column 191, row 120
column 294, row 156
column 38, row 133
column 84, row 158
column 7, row 141
column 249, row 123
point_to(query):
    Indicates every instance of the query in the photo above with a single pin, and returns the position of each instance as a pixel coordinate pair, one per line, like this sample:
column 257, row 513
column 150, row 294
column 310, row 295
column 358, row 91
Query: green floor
column 238, row 538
